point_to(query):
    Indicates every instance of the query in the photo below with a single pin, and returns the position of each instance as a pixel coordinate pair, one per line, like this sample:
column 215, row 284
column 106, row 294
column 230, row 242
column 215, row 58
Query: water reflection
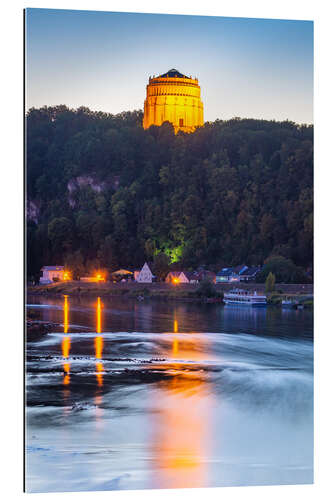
column 66, row 342
column 99, row 364
column 99, row 343
column 197, row 400
column 180, row 441
column 175, row 340
column 180, row 437
column 66, row 311
column 128, row 316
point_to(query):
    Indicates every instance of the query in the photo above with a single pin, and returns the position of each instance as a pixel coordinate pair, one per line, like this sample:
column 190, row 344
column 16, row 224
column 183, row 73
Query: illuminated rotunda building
column 175, row 98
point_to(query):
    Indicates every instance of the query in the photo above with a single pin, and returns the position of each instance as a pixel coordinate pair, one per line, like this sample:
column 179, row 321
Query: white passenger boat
column 243, row 297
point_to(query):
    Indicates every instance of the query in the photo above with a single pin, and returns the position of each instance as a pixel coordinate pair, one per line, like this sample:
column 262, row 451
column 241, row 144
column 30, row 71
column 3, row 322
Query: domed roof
column 173, row 73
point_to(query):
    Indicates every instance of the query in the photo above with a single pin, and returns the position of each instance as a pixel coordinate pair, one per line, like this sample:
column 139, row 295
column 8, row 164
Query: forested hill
column 101, row 191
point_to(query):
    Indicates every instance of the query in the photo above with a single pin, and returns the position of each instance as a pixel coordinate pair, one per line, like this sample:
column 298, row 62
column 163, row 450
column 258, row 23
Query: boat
column 289, row 304
column 242, row 297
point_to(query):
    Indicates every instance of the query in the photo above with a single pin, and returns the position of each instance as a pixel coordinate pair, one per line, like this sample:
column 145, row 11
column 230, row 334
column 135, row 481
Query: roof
column 175, row 274
column 52, row 268
column 226, row 271
column 121, row 272
column 238, row 269
column 250, row 271
column 190, row 275
column 173, row 73
column 150, row 266
column 204, row 272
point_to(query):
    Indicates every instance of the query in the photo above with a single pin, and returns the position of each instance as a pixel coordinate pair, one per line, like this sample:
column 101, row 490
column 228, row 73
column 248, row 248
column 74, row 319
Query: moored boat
column 239, row 296
column 289, row 304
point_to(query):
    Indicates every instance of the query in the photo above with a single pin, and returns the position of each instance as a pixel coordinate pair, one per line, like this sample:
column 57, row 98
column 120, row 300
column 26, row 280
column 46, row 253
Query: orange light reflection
column 175, row 341
column 66, row 343
column 66, row 311
column 181, row 438
column 99, row 342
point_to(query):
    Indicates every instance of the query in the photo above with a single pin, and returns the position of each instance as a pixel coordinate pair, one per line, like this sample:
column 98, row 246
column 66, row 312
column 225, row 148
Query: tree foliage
column 233, row 191
column 283, row 270
column 270, row 282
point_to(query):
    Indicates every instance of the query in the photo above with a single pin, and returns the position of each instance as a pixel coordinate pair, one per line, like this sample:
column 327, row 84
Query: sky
column 249, row 68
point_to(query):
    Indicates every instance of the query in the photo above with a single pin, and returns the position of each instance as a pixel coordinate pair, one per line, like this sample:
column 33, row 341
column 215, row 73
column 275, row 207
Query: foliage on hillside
column 109, row 193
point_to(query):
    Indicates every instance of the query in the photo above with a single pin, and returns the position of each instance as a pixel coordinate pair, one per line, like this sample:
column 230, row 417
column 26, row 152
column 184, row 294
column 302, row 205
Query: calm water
column 126, row 395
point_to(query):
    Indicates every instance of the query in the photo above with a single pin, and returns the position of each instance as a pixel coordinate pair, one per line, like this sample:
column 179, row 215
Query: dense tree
column 60, row 235
column 75, row 263
column 161, row 266
column 283, row 270
column 270, row 282
column 233, row 191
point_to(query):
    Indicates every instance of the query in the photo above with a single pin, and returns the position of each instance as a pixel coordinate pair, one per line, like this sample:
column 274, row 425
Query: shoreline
column 185, row 292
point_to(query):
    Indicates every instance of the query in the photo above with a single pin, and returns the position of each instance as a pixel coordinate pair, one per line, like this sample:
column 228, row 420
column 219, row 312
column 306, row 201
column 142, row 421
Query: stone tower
column 175, row 98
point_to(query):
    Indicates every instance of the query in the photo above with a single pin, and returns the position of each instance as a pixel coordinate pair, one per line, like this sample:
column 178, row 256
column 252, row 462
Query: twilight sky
column 246, row 67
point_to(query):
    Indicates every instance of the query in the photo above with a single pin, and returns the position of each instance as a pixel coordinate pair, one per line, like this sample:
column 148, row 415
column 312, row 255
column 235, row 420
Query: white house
column 181, row 277
column 51, row 273
column 145, row 275
column 173, row 277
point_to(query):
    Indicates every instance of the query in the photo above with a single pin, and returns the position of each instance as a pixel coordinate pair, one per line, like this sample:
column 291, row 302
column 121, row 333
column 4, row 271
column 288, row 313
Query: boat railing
column 241, row 292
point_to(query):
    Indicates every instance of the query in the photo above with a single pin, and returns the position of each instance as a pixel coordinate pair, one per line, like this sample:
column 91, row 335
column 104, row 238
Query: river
column 123, row 394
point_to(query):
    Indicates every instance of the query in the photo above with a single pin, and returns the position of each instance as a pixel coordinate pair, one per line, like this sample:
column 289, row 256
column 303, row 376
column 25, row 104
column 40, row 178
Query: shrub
column 206, row 289
column 270, row 282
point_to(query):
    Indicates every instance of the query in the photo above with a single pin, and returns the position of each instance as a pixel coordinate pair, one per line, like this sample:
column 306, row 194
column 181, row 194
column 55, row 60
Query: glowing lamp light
column 67, row 276
column 100, row 277
column 175, row 280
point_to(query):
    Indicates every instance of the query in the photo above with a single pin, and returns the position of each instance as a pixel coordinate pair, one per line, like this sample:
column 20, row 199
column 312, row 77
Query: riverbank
column 167, row 291
column 36, row 329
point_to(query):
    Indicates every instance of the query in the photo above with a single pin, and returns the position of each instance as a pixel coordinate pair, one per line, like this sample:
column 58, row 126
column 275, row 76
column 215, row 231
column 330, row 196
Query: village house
column 181, row 277
column 250, row 273
column 237, row 273
column 230, row 274
column 121, row 275
column 205, row 275
column 51, row 274
column 192, row 277
column 174, row 277
column 145, row 275
column 136, row 273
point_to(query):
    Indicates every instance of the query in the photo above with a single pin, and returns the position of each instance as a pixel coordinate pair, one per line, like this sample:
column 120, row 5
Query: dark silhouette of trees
column 233, row 191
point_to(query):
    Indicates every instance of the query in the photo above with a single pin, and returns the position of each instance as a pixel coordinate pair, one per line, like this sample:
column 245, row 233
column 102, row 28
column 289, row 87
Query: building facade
column 250, row 273
column 51, row 274
column 230, row 274
column 145, row 275
column 238, row 273
column 181, row 277
column 175, row 98
column 176, row 277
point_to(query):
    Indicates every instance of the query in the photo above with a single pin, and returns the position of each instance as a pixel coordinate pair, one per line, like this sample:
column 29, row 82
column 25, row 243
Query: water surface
column 124, row 394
